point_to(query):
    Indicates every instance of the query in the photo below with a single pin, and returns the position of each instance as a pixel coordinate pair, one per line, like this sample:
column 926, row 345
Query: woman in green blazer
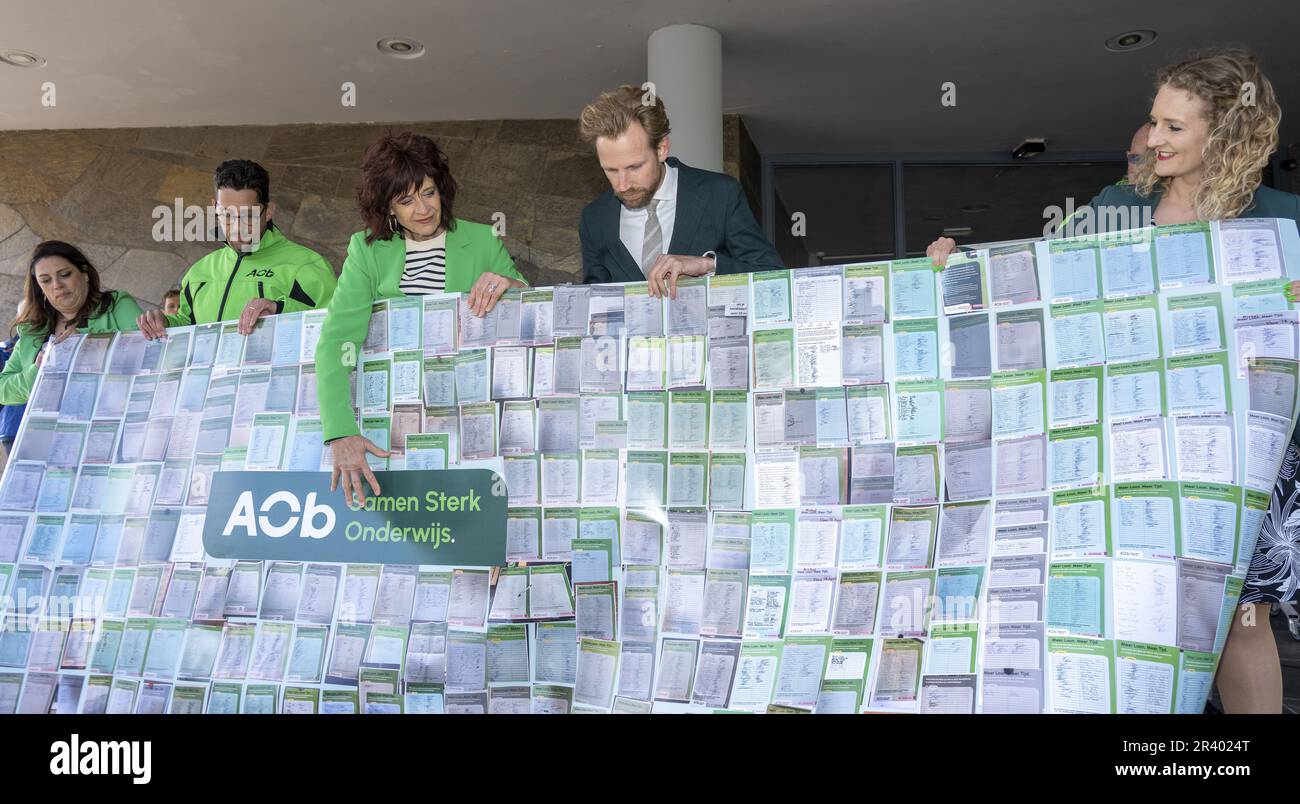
column 412, row 245
column 62, row 296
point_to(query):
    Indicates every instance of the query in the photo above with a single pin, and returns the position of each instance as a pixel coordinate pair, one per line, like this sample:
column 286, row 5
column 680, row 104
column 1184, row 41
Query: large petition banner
column 1029, row 482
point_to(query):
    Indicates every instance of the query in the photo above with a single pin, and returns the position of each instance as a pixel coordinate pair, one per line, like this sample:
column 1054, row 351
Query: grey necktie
column 653, row 245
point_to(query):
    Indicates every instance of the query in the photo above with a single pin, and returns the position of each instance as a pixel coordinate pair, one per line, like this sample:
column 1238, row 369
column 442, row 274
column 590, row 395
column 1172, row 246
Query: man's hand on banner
column 662, row 279
column 255, row 309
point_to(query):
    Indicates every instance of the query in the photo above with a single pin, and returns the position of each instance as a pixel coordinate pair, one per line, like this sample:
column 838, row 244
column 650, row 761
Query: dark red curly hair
column 392, row 166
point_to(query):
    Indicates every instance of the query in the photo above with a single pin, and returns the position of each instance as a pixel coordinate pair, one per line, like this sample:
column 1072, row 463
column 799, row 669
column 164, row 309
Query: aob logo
column 242, row 515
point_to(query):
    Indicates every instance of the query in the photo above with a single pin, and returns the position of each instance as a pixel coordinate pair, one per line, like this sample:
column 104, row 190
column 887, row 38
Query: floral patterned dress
column 1274, row 575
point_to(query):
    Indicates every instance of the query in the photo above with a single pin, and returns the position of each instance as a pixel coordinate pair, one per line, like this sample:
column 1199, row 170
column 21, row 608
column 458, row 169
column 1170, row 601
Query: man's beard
column 640, row 195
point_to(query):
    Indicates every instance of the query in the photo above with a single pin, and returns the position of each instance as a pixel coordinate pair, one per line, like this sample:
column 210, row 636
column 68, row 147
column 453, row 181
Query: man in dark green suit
column 660, row 219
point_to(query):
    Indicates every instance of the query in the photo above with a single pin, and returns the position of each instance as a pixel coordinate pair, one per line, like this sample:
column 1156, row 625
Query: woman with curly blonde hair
column 1214, row 124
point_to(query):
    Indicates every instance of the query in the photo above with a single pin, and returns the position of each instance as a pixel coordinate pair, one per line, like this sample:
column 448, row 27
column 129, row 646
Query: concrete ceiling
column 814, row 76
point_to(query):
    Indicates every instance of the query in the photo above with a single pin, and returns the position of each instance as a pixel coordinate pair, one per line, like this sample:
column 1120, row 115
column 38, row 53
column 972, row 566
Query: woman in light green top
column 62, row 296
column 412, row 245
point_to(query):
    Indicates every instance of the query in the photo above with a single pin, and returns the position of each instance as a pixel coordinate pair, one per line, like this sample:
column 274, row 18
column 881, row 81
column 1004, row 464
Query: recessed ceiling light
column 21, row 58
column 1130, row 40
column 400, row 48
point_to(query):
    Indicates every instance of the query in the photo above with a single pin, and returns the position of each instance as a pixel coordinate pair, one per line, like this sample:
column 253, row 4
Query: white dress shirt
column 631, row 222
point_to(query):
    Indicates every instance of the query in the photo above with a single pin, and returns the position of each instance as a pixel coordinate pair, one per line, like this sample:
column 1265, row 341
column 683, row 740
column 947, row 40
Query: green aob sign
column 449, row 517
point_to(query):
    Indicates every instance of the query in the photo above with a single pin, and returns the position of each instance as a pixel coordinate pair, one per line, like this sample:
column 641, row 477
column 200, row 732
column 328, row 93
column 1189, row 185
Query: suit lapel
column 631, row 267
column 685, row 224
column 689, row 209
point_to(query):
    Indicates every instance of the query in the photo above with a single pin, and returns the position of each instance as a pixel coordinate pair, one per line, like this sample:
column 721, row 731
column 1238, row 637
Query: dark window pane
column 847, row 209
column 998, row 202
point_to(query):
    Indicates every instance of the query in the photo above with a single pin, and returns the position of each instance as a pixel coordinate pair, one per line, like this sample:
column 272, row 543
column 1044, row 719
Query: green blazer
column 372, row 272
column 20, row 372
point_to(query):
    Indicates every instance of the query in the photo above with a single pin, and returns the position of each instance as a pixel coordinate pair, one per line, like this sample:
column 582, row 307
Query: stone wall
column 99, row 188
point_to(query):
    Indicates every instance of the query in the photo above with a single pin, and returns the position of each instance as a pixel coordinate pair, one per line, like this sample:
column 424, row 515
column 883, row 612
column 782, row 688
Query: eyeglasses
column 244, row 215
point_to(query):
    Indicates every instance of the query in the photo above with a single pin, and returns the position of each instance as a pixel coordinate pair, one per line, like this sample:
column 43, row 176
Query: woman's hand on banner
column 488, row 290
column 152, row 324
column 939, row 250
column 351, row 465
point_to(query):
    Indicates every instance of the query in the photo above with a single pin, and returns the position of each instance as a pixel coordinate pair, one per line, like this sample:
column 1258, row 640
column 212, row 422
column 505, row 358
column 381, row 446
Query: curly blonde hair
column 1242, row 136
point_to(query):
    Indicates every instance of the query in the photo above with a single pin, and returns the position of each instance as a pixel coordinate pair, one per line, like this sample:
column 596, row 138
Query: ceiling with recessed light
column 815, row 76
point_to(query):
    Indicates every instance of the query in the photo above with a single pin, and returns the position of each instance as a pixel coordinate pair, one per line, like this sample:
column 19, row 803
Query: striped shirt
column 426, row 266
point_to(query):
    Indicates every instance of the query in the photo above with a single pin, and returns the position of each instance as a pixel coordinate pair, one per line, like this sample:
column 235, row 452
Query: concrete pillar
column 685, row 66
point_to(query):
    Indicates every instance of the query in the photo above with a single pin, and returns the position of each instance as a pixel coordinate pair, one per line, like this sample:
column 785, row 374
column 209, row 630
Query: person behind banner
column 62, row 295
column 661, row 219
column 171, row 302
column 1207, row 148
column 1137, row 151
column 413, row 245
column 257, row 271
column 10, row 415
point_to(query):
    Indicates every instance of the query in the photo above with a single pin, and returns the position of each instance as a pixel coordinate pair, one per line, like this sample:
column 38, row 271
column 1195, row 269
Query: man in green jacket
column 257, row 272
